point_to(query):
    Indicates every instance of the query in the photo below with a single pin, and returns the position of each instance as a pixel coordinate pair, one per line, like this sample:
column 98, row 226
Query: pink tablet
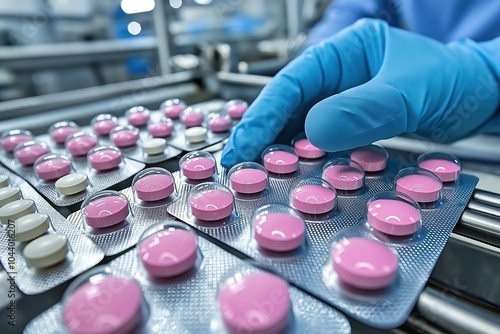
column 257, row 303
column 281, row 162
column 372, row 158
column 306, row 150
column 168, row 253
column 59, row 134
column 106, row 211
column 104, row 305
column 104, row 127
column 154, row 187
column 248, row 180
column 10, row 142
column 278, row 231
column 312, row 198
column 421, row 188
column 198, row 168
column 191, row 119
column 161, row 129
column 173, row 108
column 105, row 159
column 81, row 145
column 53, row 169
column 27, row 155
column 364, row 263
column 446, row 170
column 236, row 108
column 393, row 217
column 212, row 204
column 125, row 137
column 344, row 177
column 138, row 118
column 220, row 124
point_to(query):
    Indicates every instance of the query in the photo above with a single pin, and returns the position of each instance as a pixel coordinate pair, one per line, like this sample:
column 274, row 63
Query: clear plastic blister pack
column 313, row 219
column 144, row 293
column 37, row 244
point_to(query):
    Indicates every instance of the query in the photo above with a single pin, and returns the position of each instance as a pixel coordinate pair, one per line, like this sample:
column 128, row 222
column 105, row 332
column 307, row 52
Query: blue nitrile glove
column 371, row 82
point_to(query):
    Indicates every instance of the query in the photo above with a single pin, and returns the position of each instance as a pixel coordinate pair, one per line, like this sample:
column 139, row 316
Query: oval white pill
column 17, row 209
column 4, row 181
column 195, row 134
column 154, row 146
column 72, row 184
column 31, row 226
column 46, row 251
column 9, row 194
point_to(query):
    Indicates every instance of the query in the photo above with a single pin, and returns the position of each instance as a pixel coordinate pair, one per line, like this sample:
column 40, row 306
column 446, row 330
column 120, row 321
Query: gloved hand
column 371, row 82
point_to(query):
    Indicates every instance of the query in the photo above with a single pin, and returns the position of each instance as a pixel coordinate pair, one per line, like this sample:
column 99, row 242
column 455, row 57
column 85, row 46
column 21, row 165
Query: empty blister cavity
column 46, row 251
column 105, row 209
column 394, row 214
column 211, row 201
column 198, row 165
column 51, row 167
column 16, row 209
column 191, row 117
column 104, row 158
column 364, row 263
column 31, row 226
column 80, row 143
column 72, row 184
column 9, row 194
column 62, row 130
column 153, row 184
column 446, row 166
column 344, row 174
column 154, row 146
column 236, row 108
column 306, row 150
column 124, row 136
column 137, row 116
column 4, row 181
column 161, row 129
column 218, row 122
column 420, row 184
column 10, row 139
column 196, row 134
column 103, row 301
column 168, row 249
column 280, row 159
column 278, row 228
column 28, row 152
column 313, row 196
column 372, row 158
column 248, row 178
column 173, row 108
column 255, row 303
column 103, row 124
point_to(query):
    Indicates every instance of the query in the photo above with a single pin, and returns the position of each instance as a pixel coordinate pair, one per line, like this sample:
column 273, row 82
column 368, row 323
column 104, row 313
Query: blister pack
column 38, row 247
column 355, row 229
column 144, row 292
column 115, row 220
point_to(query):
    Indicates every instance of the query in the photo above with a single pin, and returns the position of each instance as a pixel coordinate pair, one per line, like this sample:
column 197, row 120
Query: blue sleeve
column 343, row 13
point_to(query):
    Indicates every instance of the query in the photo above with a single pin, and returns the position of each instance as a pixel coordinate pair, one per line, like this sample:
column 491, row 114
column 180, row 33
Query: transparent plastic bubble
column 280, row 159
column 105, row 208
column 103, row 158
column 161, row 129
column 373, row 158
column 154, row 184
column 248, row 178
column 210, row 201
column 137, row 116
column 124, row 136
column 198, row 165
column 344, row 174
column 62, row 130
column 50, row 167
column 10, row 139
column 446, row 166
column 80, row 143
column 103, row 124
column 235, row 108
column 26, row 153
column 313, row 196
column 420, row 184
column 191, row 117
column 173, row 108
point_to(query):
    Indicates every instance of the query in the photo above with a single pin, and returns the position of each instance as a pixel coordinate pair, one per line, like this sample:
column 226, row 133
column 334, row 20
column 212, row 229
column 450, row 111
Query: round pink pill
column 393, row 217
column 106, row 211
column 371, row 158
column 125, row 138
column 53, row 169
column 313, row 199
column 236, row 111
column 168, row 253
column 248, row 180
column 279, row 232
column 364, row 263
column 192, row 119
column 421, row 188
column 154, row 187
column 344, row 177
column 105, row 159
column 306, row 150
column 220, row 124
column 9, row 143
column 60, row 134
column 257, row 303
column 198, row 168
column 447, row 171
column 138, row 118
column 174, row 111
column 210, row 205
column 28, row 154
column 104, row 127
column 161, row 129
column 81, row 145
column 281, row 162
column 104, row 306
